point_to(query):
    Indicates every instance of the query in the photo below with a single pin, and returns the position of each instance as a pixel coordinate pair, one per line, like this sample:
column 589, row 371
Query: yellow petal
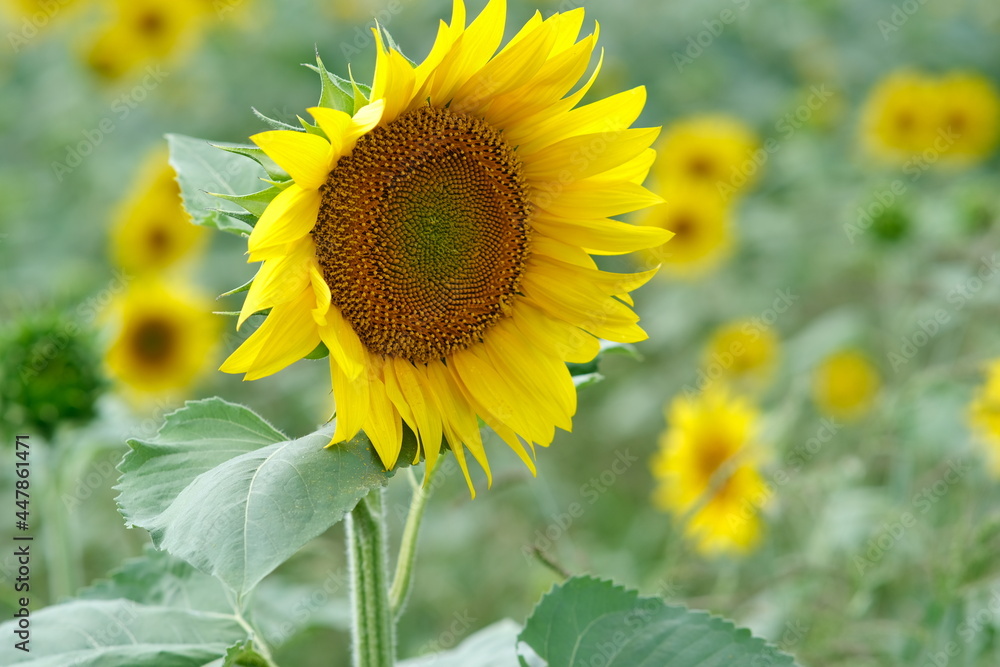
column 555, row 337
column 510, row 69
column 472, row 50
column 289, row 217
column 306, row 157
column 607, row 282
column 583, row 306
column 279, row 280
column 610, row 114
column 334, row 124
column 351, row 396
column 588, row 199
column 586, row 155
column 383, row 427
column 288, row 334
column 605, row 237
column 425, row 413
column 344, row 345
column 394, row 79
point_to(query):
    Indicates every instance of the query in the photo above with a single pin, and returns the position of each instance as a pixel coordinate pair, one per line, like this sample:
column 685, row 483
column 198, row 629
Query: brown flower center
column 153, row 342
column 422, row 233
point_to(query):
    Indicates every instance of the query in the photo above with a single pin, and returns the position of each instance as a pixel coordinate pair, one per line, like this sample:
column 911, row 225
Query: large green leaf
column 203, row 169
column 157, row 578
column 586, row 617
column 121, row 633
column 493, row 646
column 223, row 490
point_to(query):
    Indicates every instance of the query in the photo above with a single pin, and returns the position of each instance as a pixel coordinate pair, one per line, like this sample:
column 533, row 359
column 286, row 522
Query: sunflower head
column 140, row 31
column 900, row 117
column 153, row 231
column 954, row 118
column 845, row 385
column 707, row 470
column 50, row 373
column 436, row 236
column 164, row 338
column 741, row 353
column 713, row 152
column 970, row 115
column 702, row 228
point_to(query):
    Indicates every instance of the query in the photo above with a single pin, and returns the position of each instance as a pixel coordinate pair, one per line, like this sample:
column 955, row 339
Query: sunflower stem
column 402, row 582
column 373, row 632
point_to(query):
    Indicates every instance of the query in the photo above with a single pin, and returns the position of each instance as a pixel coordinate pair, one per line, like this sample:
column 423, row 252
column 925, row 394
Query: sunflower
column 714, row 152
column 845, row 385
column 142, row 31
column 900, row 116
column 438, row 240
column 955, row 117
column 703, row 232
column 153, row 231
column 165, row 338
column 707, row 470
column 970, row 110
column 741, row 353
column 984, row 415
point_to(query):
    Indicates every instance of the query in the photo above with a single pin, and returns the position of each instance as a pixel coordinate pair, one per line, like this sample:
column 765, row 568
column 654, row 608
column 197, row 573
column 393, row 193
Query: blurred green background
column 937, row 582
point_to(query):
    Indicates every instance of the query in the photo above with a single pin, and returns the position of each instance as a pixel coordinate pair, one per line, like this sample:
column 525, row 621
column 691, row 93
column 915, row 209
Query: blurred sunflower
column 899, row 119
column 153, row 231
column 713, row 152
column 741, row 353
column 707, row 470
column 845, row 385
column 984, row 415
column 165, row 337
column 970, row 109
column 143, row 31
column 955, row 117
column 447, row 273
column 703, row 233
column 50, row 373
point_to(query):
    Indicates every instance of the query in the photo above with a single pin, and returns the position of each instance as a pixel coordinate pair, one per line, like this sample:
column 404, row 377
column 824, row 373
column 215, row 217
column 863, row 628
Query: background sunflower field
column 809, row 441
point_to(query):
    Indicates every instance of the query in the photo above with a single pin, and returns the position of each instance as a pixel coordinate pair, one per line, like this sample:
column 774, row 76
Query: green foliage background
column 835, row 582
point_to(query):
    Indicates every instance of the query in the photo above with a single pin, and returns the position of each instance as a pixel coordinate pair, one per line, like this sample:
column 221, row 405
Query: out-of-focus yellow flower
column 165, row 337
column 143, row 31
column 970, row 110
column 741, row 353
column 707, row 470
column 714, row 152
column 703, row 231
column 914, row 116
column 984, row 415
column 899, row 119
column 153, row 231
column 845, row 385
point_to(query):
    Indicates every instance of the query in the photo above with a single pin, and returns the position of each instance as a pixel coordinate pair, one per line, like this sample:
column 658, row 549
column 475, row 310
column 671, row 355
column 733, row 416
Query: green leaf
column 275, row 124
column 202, row 168
column 257, row 155
column 241, row 655
column 608, row 349
column 121, row 633
column 336, row 93
column 223, row 490
column 586, row 379
column 493, row 646
column 157, row 578
column 255, row 202
column 586, row 617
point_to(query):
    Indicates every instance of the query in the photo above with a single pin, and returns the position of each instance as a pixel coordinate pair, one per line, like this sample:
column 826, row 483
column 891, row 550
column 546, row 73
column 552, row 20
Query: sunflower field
column 500, row 333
